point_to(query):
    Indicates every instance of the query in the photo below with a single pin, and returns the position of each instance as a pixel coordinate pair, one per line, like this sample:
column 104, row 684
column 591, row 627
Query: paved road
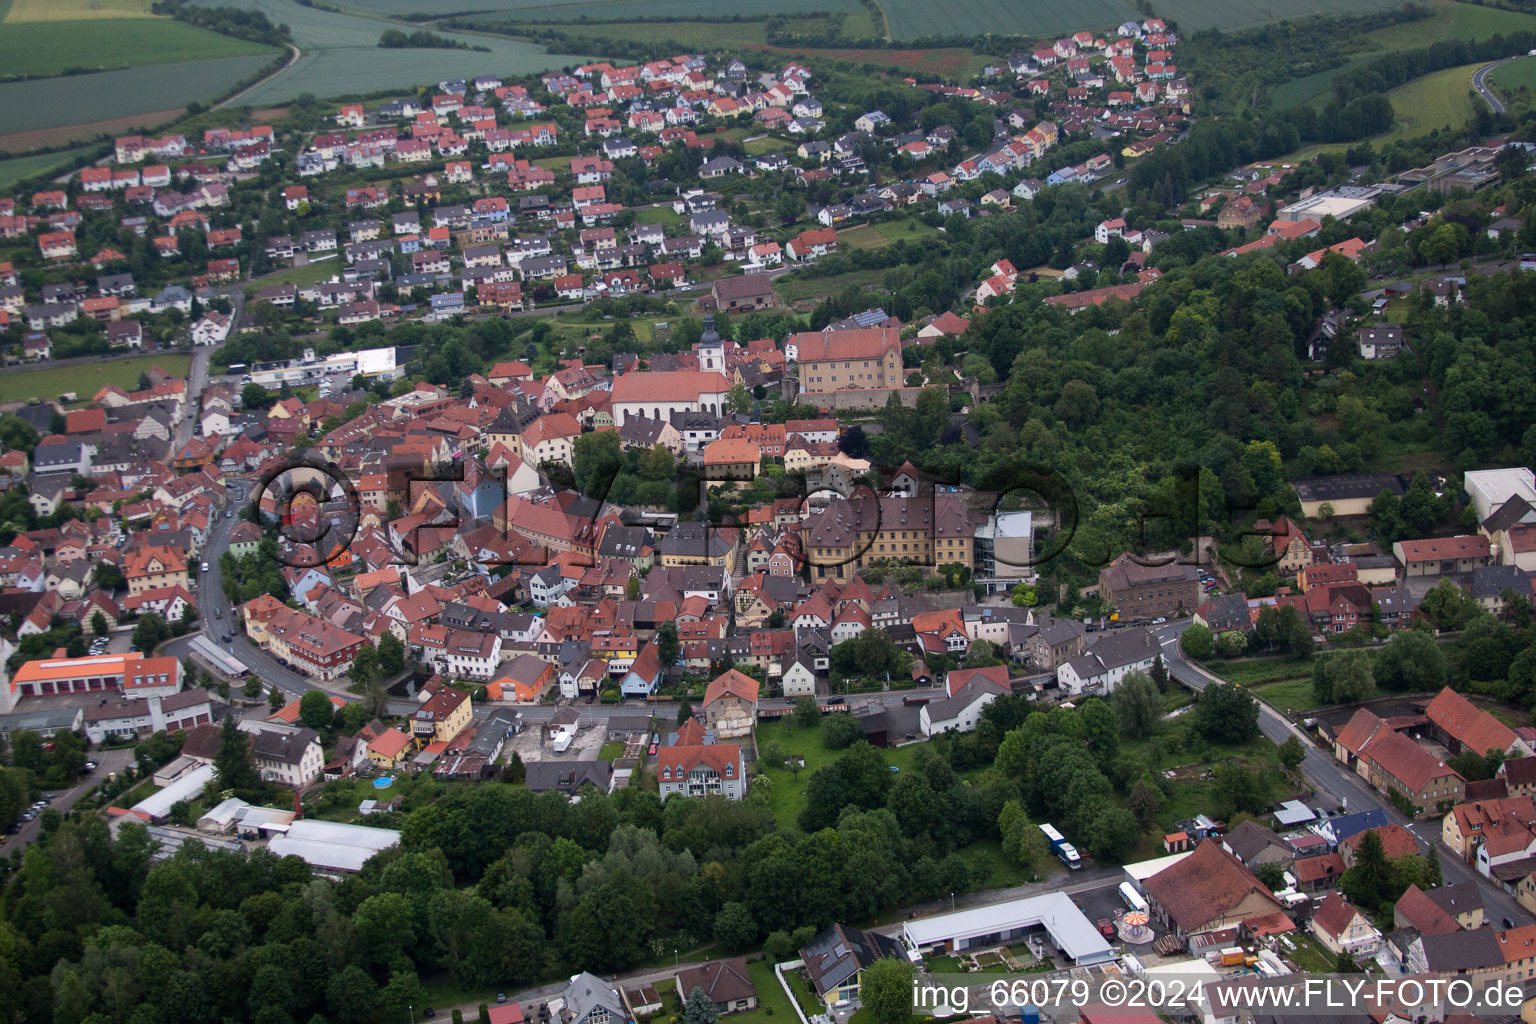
column 1344, row 787
column 294, row 53
column 106, row 761
column 1480, row 83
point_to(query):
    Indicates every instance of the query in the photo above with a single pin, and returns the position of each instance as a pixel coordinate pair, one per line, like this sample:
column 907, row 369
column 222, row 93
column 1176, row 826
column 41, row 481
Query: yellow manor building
column 924, row 529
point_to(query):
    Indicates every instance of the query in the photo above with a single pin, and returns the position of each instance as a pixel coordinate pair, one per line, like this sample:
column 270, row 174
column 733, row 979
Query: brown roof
column 1519, row 771
column 1204, row 886
column 1417, row 910
column 724, row 981
column 1406, row 761
column 1313, row 869
column 863, row 343
column 1466, row 546
column 744, row 287
column 733, row 684
column 1335, row 914
column 1473, row 728
column 724, row 758
column 1396, row 841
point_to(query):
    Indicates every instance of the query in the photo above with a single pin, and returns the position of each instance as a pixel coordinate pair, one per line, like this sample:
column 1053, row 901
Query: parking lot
column 531, row 745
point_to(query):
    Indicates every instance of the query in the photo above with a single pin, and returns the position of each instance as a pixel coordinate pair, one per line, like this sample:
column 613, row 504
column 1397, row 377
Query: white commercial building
column 156, row 807
column 1142, row 870
column 1001, row 923
column 1340, row 203
column 1489, row 489
column 330, row 847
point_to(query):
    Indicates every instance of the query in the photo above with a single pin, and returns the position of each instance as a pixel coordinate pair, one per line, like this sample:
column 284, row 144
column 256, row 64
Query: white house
column 961, row 712
column 1107, row 661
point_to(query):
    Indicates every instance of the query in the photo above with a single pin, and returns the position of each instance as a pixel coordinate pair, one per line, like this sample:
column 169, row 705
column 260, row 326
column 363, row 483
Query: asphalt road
column 1344, row 787
column 106, row 761
column 1480, row 83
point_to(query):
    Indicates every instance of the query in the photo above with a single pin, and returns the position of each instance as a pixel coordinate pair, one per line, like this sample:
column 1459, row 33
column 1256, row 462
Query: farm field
column 1451, row 20
column 341, row 56
column 951, row 63
column 593, row 10
column 21, row 11
column 87, row 378
column 915, row 19
column 23, row 167
column 49, row 48
column 59, row 102
column 1512, row 79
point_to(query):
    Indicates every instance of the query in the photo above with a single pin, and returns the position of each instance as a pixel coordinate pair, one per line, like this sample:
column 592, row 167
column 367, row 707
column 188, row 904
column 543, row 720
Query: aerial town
column 720, row 535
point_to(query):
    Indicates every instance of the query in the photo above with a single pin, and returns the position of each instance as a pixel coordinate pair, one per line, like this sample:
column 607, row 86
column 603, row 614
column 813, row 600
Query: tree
column 1272, row 875
column 684, row 711
column 1226, row 714
column 886, row 991
column 1145, row 802
column 365, row 665
column 1138, row 705
column 1240, row 788
column 514, row 770
column 233, row 764
column 806, row 713
column 254, row 396
column 699, row 1008
column 150, row 632
column 667, row 646
column 1410, row 662
column 99, row 623
column 1023, row 842
column 1196, row 642
column 1112, row 834
column 735, row 927
column 839, row 731
column 1343, row 678
column 1231, row 643
column 1369, row 876
column 1292, row 753
column 391, row 655
column 275, row 698
column 316, row 710
column 351, row 994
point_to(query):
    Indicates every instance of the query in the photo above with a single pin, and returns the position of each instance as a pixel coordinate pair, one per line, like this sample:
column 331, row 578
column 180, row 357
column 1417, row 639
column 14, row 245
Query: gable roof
column 1203, row 886
column 1335, row 914
column 724, row 981
column 1472, row 727
column 731, row 683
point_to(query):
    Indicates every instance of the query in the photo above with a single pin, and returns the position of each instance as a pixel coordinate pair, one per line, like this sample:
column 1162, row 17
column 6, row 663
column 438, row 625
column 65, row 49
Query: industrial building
column 1339, row 203
column 1001, row 923
column 330, row 847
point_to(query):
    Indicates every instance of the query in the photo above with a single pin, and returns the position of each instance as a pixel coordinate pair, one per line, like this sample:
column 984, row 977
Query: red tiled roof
column 1473, row 728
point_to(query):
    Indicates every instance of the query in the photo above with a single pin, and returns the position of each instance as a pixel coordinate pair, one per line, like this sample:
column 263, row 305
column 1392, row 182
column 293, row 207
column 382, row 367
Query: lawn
column 764, row 144
column 796, row 287
column 23, row 167
column 787, row 796
column 1287, row 695
column 874, row 236
column 50, row 48
column 310, row 273
column 663, row 215
column 88, row 378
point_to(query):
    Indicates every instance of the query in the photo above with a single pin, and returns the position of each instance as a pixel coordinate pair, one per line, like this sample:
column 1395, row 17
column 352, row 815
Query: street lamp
column 951, row 903
column 412, row 1010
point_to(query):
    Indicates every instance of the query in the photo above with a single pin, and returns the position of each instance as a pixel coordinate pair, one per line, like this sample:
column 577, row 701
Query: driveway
column 107, row 761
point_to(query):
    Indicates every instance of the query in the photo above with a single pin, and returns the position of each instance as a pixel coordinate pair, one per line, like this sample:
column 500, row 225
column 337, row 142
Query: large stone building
column 922, row 529
column 659, row 394
column 1144, row 591
column 839, row 360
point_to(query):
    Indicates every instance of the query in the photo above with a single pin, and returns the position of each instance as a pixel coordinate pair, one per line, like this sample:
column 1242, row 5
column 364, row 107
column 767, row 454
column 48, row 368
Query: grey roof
column 1123, row 647
column 587, row 993
column 1346, row 486
column 568, row 776
column 1458, row 898
column 1226, row 612
column 284, row 746
column 1250, row 839
column 1461, row 951
column 974, row 688
column 840, row 952
column 1493, row 580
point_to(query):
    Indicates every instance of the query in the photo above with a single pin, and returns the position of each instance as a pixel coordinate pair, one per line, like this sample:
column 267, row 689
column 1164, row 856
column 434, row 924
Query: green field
column 23, row 167
column 663, row 215
column 1450, row 20
column 1509, row 79
column 599, row 10
column 87, row 378
column 703, row 35
column 310, row 273
column 788, row 790
column 48, row 48
column 795, row 287
column 914, row 19
column 73, row 99
column 19, row 11
column 874, row 236
column 341, row 55
column 1284, row 683
column 1443, row 99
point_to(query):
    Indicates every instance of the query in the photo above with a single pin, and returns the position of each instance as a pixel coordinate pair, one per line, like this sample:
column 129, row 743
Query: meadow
column 49, row 48
column 1508, row 80
column 54, row 102
column 1450, row 20
column 606, row 10
column 22, row 11
column 914, row 19
column 23, row 167
column 341, row 56
column 85, row 379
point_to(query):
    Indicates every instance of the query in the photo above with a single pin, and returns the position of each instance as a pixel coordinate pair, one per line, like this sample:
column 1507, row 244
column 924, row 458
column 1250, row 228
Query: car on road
column 1509, row 922
column 1159, row 621
column 205, row 567
column 501, row 997
column 90, row 766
